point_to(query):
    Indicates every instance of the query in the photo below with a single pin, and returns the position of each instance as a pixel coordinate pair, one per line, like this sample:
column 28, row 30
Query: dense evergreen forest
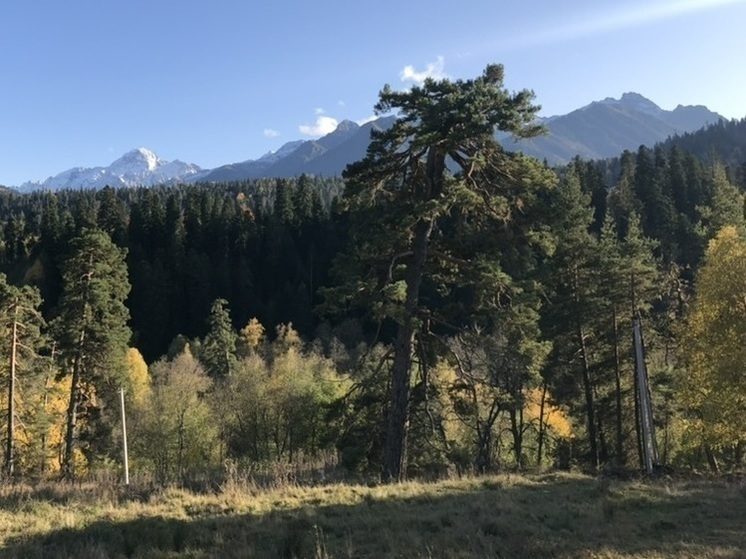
column 446, row 306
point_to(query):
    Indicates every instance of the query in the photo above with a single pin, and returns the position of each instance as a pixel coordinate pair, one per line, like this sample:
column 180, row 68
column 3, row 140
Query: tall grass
column 541, row 516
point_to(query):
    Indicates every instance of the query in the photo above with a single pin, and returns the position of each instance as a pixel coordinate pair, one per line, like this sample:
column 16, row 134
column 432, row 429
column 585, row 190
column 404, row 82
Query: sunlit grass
column 500, row 516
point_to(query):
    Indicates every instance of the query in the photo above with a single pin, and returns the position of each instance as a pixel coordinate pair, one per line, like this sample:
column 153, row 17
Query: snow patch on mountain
column 138, row 167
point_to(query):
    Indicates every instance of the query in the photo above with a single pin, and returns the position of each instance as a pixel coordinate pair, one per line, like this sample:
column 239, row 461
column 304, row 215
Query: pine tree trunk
column 587, row 386
column 620, row 458
column 45, row 402
column 9, row 449
column 603, row 449
column 516, row 428
column 483, row 460
column 68, row 466
column 397, row 425
column 394, row 458
column 589, row 404
column 540, row 449
column 638, row 419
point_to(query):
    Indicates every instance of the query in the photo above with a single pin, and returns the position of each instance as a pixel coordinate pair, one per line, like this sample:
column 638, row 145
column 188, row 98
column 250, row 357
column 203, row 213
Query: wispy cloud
column 323, row 125
column 366, row 120
column 319, row 111
column 270, row 133
column 433, row 70
column 643, row 13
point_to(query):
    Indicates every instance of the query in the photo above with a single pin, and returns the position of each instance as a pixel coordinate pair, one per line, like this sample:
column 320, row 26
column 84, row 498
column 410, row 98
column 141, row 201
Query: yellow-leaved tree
column 713, row 387
column 138, row 378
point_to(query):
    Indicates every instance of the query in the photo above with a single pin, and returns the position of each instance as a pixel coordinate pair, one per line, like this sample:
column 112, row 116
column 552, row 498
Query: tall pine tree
column 404, row 193
column 91, row 328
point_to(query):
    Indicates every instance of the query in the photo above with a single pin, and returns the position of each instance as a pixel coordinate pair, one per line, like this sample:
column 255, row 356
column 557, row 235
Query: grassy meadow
column 505, row 516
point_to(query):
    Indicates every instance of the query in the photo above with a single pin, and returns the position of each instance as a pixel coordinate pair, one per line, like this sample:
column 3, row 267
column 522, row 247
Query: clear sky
column 219, row 81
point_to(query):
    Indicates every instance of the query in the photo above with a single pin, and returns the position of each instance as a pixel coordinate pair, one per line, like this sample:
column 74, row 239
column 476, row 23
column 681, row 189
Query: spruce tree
column 623, row 199
column 218, row 351
column 613, row 290
column 574, row 298
column 726, row 206
column 304, row 199
column 642, row 275
column 284, row 207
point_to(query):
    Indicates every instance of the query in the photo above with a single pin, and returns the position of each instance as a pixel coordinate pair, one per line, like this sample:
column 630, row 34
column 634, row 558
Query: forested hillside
column 264, row 245
column 724, row 141
column 409, row 319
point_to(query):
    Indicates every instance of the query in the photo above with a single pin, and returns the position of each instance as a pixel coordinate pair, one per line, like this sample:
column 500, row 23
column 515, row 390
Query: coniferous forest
column 445, row 307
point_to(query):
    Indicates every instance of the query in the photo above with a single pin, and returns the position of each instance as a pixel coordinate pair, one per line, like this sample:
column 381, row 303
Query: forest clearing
column 534, row 516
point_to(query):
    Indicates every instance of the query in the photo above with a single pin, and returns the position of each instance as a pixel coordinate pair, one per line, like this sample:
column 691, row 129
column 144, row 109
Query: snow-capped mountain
column 598, row 130
column 139, row 167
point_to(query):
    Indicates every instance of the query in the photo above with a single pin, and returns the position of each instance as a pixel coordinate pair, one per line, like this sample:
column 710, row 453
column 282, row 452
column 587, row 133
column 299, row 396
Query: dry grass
column 504, row 516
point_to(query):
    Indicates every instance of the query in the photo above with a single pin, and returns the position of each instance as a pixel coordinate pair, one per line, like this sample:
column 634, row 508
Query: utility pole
column 124, row 440
column 644, row 420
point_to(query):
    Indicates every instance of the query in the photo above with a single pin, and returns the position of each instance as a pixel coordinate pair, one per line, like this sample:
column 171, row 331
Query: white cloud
column 319, row 111
column 341, row 103
column 323, row 125
column 433, row 70
column 270, row 133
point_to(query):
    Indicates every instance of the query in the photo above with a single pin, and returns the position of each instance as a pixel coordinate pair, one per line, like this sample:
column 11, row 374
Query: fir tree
column 574, row 299
column 218, row 351
column 726, row 206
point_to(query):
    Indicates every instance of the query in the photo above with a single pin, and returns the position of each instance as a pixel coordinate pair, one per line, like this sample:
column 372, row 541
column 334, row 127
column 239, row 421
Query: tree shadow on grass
column 551, row 518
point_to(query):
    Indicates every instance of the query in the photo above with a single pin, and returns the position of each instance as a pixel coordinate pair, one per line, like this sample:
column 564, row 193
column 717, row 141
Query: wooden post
column 124, row 440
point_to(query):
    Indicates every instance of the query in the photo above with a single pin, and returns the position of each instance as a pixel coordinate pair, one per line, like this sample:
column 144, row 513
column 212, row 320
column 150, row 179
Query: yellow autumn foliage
column 713, row 388
column 443, row 374
column 252, row 334
column 555, row 419
column 138, row 377
column 41, row 434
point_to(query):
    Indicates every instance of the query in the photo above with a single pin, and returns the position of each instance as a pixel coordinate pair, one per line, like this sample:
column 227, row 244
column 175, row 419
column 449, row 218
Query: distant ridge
column 606, row 128
column 600, row 130
column 327, row 156
column 724, row 140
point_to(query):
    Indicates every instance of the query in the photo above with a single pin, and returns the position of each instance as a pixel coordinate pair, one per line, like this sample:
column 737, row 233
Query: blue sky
column 213, row 82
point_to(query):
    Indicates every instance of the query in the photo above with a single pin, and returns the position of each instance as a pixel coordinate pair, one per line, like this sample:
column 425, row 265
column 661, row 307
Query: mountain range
column 606, row 128
column 138, row 167
column 599, row 130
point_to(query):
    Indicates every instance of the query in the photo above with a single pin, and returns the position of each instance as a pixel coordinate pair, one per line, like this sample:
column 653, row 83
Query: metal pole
column 124, row 440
